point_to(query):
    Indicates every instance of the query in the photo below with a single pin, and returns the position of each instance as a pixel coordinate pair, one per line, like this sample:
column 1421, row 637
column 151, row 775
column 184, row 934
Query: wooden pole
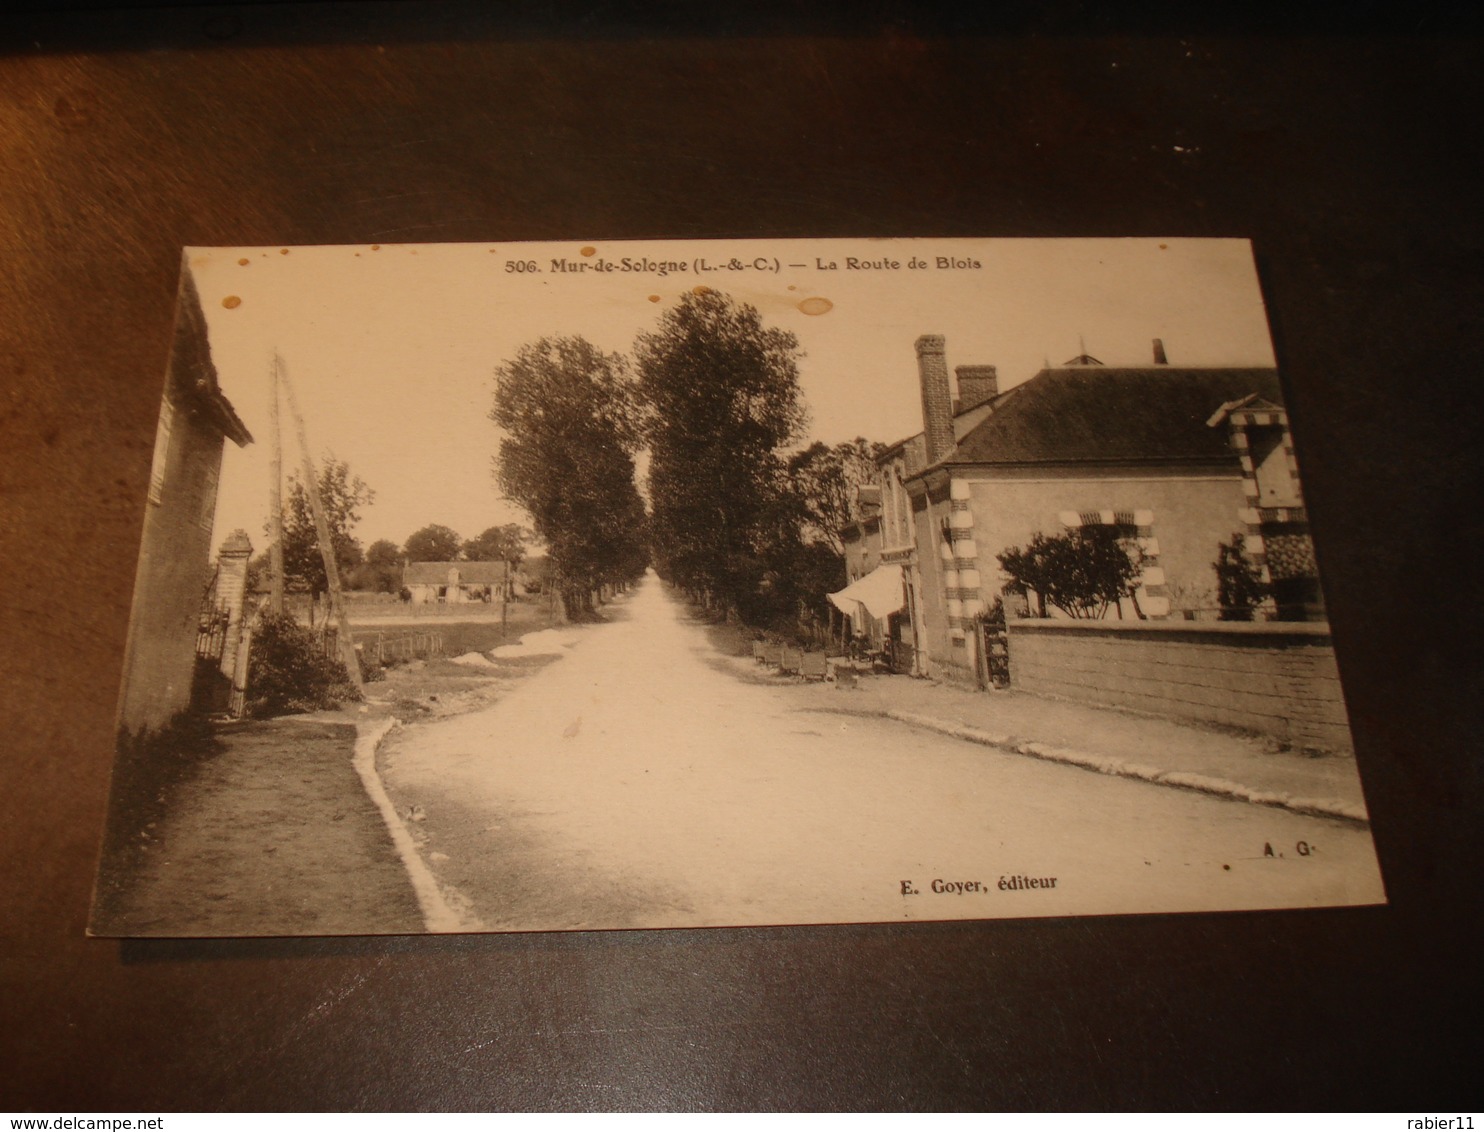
column 505, row 603
column 322, row 530
column 275, row 503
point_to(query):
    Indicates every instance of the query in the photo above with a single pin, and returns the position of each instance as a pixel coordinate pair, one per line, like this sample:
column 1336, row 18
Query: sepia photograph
column 673, row 584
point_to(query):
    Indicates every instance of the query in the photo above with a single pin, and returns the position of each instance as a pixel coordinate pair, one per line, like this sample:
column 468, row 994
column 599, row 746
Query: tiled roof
column 1094, row 414
column 470, row 573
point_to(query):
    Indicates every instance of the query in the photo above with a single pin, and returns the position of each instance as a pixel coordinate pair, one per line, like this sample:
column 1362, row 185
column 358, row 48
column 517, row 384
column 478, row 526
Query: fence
column 387, row 649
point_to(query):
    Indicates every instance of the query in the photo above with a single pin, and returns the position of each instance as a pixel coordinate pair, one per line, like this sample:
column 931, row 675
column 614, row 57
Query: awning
column 880, row 592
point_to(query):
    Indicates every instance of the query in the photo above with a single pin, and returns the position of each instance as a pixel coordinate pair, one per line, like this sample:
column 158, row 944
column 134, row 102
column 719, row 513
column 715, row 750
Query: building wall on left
column 174, row 570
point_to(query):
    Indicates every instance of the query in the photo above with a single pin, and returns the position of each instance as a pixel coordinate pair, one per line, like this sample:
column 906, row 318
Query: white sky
column 392, row 351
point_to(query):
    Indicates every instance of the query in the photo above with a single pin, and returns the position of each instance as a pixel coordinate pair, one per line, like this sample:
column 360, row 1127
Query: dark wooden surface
column 1352, row 160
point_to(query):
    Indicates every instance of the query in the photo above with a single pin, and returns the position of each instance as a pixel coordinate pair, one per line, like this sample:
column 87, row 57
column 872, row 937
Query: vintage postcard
column 591, row 585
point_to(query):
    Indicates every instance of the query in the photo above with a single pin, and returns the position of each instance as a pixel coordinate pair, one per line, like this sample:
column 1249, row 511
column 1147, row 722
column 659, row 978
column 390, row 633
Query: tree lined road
column 647, row 781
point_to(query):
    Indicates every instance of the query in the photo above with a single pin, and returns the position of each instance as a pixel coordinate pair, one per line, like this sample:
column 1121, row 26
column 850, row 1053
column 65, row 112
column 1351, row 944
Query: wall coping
column 1308, row 632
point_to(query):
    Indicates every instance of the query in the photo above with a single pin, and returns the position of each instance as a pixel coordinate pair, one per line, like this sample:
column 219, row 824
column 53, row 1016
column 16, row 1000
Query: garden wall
column 1278, row 678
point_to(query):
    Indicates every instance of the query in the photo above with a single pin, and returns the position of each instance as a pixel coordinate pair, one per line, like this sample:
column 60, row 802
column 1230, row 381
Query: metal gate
column 994, row 649
column 210, row 687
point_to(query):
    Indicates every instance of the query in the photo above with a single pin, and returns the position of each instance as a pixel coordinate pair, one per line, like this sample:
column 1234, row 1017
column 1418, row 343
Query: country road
column 645, row 780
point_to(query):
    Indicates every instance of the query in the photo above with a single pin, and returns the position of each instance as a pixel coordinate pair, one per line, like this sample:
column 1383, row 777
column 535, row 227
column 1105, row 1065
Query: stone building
column 454, row 582
column 175, row 571
column 1175, row 459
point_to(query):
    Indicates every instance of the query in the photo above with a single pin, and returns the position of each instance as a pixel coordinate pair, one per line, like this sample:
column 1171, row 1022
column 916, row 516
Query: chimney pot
column 1159, row 353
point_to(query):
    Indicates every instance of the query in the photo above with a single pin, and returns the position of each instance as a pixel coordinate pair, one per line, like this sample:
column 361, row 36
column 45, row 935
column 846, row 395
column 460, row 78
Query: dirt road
column 646, row 780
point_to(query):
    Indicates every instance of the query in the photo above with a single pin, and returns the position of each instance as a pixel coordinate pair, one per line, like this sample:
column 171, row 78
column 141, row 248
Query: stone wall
column 1277, row 678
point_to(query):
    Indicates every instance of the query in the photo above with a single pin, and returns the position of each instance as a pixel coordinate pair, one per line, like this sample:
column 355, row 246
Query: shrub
column 289, row 672
column 1081, row 572
column 1239, row 584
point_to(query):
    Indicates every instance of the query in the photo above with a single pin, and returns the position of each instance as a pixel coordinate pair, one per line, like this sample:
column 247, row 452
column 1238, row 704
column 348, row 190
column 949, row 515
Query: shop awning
column 880, row 592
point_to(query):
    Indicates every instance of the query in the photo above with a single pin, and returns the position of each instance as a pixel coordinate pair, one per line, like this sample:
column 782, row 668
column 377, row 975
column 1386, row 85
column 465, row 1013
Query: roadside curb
column 438, row 916
column 1103, row 764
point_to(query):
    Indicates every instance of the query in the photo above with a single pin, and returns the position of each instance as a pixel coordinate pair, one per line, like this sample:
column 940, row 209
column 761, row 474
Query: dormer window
column 1275, row 482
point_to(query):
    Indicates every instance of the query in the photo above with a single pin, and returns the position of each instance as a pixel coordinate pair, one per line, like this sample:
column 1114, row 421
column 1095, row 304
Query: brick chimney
column 976, row 385
column 1159, row 353
column 937, row 398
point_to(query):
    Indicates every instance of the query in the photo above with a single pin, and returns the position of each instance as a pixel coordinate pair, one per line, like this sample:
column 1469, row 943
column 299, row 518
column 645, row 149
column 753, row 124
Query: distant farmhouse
column 175, row 577
column 1176, row 460
column 454, row 582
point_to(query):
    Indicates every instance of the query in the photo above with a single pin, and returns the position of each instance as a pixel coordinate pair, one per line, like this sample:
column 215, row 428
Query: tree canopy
column 722, row 394
column 383, row 552
column 572, row 426
column 343, row 494
column 499, row 544
column 433, row 543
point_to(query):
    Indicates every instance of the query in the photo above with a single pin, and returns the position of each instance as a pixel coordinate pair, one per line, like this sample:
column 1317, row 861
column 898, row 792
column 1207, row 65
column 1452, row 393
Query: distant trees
column 433, row 543
column 722, row 394
column 381, row 572
column 342, row 494
column 825, row 481
column 715, row 398
column 572, row 427
column 499, row 544
column 1081, row 572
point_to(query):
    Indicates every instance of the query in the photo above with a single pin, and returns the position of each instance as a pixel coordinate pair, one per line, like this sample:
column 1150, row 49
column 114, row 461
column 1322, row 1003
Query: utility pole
column 275, row 503
column 322, row 530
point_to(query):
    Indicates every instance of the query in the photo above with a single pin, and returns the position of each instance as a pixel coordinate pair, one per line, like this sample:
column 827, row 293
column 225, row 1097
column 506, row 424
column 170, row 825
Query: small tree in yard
column 1239, row 584
column 1081, row 572
column 289, row 672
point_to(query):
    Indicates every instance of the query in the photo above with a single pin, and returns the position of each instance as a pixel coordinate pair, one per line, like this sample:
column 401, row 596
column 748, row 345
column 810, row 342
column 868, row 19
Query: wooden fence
column 389, row 648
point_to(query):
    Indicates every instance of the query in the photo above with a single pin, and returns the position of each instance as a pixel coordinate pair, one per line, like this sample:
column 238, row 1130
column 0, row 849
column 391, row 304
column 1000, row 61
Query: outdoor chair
column 788, row 661
column 813, row 666
column 844, row 676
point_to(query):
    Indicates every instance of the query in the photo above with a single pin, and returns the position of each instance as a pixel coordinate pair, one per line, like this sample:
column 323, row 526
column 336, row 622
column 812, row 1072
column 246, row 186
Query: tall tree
column 343, row 494
column 434, row 543
column 722, row 391
column 571, row 426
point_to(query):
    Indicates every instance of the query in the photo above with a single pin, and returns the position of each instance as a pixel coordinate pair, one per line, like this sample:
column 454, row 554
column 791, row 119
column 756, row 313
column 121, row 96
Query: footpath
column 1228, row 764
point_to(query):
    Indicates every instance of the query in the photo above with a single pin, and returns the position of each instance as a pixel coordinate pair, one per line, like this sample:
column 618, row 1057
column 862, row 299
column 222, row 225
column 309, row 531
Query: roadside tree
column 722, row 395
column 571, row 424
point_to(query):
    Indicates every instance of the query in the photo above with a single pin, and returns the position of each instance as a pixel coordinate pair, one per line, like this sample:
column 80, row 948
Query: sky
column 392, row 349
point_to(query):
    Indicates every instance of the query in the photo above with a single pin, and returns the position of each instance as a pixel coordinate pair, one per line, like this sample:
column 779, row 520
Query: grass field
column 478, row 634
